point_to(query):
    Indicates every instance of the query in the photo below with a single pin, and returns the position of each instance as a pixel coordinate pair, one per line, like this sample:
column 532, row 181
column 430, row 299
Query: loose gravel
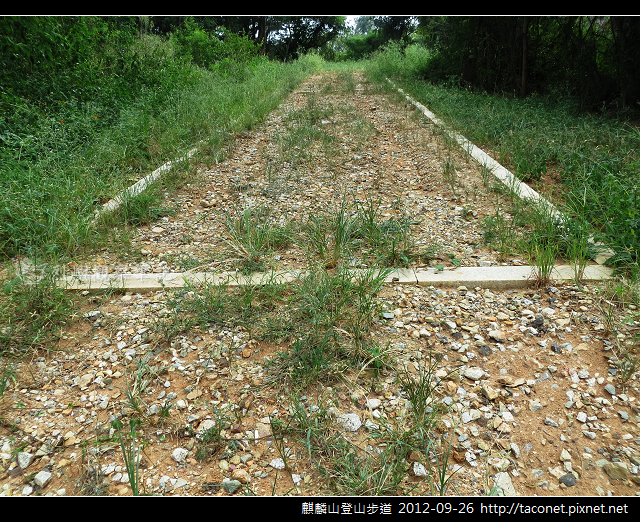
column 532, row 377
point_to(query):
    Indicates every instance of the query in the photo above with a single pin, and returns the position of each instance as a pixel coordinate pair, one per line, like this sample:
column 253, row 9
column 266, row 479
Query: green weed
column 33, row 309
column 252, row 236
column 130, row 453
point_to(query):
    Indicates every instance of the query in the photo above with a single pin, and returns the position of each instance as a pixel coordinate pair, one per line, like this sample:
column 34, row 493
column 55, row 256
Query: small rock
column 616, row 470
column 373, row 403
column 179, row 454
column 85, row 380
column 568, row 480
column 565, row 455
column 550, row 422
column 277, row 463
column 42, row 478
column 544, row 376
column 473, row 373
column 503, row 485
column 471, row 415
column 241, row 475
column 516, row 450
column 610, row 388
column 349, row 421
column 24, row 459
column 230, row 486
column 538, row 321
column 419, row 470
column 497, row 336
column 485, row 349
column 490, row 393
column 180, row 483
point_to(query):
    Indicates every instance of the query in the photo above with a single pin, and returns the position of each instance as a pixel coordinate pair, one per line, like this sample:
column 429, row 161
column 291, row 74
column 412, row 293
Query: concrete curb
column 140, row 186
column 495, row 278
column 521, row 189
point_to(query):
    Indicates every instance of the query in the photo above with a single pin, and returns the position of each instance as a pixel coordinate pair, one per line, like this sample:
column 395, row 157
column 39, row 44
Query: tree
column 364, row 24
column 299, row 34
column 592, row 58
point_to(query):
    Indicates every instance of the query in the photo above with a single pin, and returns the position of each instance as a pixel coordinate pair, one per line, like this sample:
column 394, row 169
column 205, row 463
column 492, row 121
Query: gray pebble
column 230, row 486
column 544, row 376
column 568, row 480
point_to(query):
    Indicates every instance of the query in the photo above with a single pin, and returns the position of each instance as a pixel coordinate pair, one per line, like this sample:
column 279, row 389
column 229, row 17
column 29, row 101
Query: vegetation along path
column 337, row 381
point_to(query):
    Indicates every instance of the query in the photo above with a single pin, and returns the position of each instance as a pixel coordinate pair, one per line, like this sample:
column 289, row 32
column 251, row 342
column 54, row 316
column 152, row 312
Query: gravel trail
column 535, row 392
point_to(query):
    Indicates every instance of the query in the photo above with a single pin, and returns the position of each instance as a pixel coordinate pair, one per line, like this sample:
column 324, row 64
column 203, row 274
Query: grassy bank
column 65, row 157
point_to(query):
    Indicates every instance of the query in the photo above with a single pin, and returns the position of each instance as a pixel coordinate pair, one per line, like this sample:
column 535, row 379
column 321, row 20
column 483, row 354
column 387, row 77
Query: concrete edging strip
column 496, row 278
column 522, row 190
column 139, row 186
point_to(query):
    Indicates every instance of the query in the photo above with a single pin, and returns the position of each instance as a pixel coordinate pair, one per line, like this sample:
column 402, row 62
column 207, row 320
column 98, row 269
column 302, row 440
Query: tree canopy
column 593, row 58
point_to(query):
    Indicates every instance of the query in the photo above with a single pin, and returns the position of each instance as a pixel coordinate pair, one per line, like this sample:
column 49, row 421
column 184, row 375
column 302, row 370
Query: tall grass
column 63, row 166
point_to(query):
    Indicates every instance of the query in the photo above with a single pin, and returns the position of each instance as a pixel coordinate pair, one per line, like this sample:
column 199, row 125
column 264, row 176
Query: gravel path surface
column 535, row 392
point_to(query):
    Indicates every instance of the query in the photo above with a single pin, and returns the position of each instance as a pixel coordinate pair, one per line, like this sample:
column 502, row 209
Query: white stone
column 24, row 459
column 471, row 415
column 565, row 455
column 350, row 421
column 507, row 416
column 474, row 373
column 85, row 380
column 419, row 470
column 373, row 403
column 42, row 478
column 204, row 426
column 503, row 485
column 277, row 463
column 179, row 454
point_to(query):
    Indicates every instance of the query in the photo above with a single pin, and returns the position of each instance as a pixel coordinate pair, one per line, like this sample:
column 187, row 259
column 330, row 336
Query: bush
column 222, row 51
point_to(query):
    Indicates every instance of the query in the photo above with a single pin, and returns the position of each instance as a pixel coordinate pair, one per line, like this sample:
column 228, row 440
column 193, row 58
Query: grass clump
column 252, row 236
column 33, row 309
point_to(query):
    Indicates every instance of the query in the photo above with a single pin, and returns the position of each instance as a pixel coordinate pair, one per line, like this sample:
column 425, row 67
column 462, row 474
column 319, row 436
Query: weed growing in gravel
column 330, row 317
column 211, row 441
column 378, row 467
column 449, row 175
column 618, row 305
column 130, row 453
column 356, row 234
column 32, row 311
column 329, row 237
column 252, row 236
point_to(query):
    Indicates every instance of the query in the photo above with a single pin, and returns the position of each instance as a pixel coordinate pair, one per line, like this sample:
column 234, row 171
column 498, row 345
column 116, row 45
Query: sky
column 351, row 20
